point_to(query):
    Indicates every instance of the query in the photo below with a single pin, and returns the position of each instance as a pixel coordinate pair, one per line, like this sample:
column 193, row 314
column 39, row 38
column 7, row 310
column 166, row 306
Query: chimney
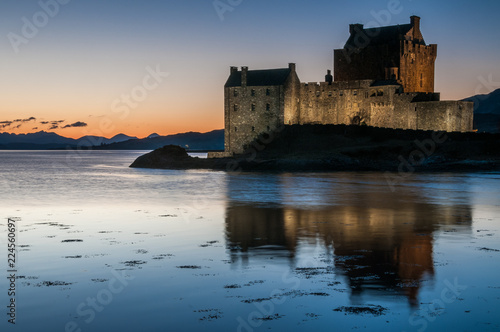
column 234, row 70
column 354, row 28
column 329, row 77
column 244, row 72
column 292, row 66
column 415, row 22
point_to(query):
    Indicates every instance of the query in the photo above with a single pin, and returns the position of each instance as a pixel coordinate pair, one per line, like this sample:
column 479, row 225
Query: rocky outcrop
column 175, row 157
column 346, row 148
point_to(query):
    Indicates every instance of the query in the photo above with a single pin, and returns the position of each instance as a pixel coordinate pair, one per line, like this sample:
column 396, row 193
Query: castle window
column 380, row 92
column 253, row 107
column 268, row 92
column 253, row 128
column 268, row 107
column 235, row 92
column 253, row 93
column 329, row 93
column 235, row 108
column 235, row 129
column 318, row 93
column 341, row 94
column 355, row 92
column 268, row 128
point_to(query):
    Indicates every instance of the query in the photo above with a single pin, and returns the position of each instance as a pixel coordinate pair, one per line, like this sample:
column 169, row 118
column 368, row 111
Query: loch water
column 104, row 247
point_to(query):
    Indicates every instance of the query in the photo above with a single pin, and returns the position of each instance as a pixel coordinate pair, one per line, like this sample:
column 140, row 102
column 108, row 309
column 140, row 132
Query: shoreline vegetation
column 345, row 148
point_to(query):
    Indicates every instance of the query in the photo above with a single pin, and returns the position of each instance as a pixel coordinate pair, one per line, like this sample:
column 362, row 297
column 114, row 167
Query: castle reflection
column 381, row 242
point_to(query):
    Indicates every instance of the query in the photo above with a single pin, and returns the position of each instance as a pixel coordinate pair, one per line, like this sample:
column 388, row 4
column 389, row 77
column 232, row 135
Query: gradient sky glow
column 81, row 62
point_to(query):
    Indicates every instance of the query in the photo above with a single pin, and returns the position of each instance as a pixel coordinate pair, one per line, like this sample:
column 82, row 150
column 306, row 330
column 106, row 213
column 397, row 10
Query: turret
column 329, row 77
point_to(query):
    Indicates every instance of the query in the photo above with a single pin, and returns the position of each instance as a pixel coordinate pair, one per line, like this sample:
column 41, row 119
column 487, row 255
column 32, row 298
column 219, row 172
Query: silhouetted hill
column 487, row 112
column 99, row 140
column 486, row 104
column 39, row 138
column 49, row 141
column 46, row 140
column 211, row 141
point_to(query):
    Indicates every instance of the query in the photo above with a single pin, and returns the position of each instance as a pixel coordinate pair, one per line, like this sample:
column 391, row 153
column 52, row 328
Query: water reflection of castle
column 382, row 241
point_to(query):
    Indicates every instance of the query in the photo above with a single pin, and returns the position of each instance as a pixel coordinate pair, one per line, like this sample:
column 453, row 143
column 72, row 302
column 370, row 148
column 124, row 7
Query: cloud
column 35, row 128
column 44, row 122
column 53, row 127
column 76, row 124
column 25, row 120
column 5, row 124
column 57, row 122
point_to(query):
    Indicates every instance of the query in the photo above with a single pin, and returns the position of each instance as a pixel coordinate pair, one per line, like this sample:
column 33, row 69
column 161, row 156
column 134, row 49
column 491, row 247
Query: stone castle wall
column 250, row 111
column 360, row 103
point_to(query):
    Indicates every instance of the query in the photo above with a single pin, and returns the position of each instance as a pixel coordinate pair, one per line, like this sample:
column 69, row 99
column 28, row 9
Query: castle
column 384, row 77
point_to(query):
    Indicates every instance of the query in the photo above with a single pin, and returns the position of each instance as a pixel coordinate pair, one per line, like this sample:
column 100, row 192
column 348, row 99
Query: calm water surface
column 103, row 247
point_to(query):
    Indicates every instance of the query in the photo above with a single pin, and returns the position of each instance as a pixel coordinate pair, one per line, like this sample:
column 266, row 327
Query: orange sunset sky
column 85, row 67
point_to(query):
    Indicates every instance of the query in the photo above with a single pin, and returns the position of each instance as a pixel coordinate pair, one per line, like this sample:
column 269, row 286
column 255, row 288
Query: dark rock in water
column 172, row 157
column 375, row 310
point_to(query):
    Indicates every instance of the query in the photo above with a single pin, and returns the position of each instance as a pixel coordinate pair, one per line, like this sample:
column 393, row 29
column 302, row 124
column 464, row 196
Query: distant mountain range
column 42, row 140
column 487, row 112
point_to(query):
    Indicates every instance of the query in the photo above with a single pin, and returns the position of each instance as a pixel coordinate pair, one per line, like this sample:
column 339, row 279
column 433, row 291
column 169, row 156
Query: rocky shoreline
column 345, row 148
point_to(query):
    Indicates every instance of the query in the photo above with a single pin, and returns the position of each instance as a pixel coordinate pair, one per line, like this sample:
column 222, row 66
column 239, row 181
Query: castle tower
column 255, row 103
column 395, row 53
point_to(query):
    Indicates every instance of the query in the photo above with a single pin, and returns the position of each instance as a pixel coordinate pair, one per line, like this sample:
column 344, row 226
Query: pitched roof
column 377, row 36
column 260, row 77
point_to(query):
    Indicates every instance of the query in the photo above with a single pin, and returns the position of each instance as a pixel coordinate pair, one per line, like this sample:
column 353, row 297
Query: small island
column 378, row 112
column 345, row 148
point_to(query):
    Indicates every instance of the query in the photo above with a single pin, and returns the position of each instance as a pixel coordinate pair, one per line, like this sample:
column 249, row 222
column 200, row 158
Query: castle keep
column 384, row 77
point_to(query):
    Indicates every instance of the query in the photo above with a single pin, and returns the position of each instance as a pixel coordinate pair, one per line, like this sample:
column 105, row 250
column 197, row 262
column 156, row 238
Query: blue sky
column 92, row 52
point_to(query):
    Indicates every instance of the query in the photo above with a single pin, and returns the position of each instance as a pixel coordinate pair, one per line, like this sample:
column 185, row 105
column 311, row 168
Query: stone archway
column 356, row 121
